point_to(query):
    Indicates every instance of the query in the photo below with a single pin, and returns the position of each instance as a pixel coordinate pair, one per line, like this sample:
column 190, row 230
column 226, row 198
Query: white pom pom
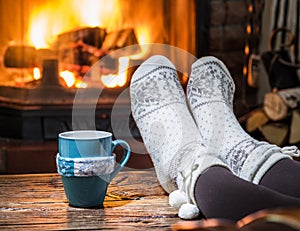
column 188, row 211
column 177, row 198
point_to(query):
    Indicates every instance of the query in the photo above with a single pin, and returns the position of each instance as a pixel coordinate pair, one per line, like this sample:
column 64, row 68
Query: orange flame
column 68, row 77
column 120, row 79
column 36, row 73
column 248, row 29
column 50, row 18
column 247, row 49
column 80, row 84
column 143, row 37
column 71, row 80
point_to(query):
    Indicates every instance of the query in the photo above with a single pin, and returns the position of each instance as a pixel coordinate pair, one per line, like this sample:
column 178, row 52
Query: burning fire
column 36, row 73
column 143, row 36
column 51, row 18
column 120, row 79
column 71, row 80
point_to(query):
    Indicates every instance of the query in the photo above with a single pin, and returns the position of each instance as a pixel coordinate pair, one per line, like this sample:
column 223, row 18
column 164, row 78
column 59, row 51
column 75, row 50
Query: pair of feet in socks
column 185, row 135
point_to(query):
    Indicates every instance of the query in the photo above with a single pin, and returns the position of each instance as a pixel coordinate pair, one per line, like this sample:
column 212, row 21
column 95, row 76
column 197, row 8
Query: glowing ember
column 247, row 49
column 80, row 84
column 120, row 79
column 36, row 73
column 69, row 78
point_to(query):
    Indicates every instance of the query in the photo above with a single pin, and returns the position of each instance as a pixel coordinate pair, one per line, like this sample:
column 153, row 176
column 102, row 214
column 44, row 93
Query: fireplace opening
column 47, row 48
column 78, row 33
column 47, row 51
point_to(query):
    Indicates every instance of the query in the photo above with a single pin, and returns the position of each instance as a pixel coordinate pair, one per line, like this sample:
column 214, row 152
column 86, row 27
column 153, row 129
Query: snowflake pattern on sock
column 160, row 111
column 210, row 94
column 221, row 88
column 156, row 89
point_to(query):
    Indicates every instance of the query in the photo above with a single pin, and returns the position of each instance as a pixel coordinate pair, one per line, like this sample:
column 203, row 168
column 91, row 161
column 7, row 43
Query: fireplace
column 52, row 51
column 57, row 56
column 78, row 33
column 48, row 48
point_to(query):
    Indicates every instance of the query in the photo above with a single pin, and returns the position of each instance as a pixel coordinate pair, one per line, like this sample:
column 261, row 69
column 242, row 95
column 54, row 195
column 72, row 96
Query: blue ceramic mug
column 87, row 165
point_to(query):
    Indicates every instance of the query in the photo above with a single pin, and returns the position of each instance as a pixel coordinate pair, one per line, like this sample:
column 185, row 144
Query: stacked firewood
column 279, row 118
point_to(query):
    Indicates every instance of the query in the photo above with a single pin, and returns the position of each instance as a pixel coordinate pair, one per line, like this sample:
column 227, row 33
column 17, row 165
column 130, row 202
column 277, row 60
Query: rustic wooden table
column 134, row 201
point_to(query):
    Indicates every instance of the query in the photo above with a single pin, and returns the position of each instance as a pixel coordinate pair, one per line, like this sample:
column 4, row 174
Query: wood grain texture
column 134, row 201
column 275, row 107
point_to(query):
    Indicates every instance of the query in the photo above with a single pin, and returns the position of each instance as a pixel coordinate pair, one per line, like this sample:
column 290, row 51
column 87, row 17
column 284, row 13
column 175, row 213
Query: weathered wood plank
column 134, row 201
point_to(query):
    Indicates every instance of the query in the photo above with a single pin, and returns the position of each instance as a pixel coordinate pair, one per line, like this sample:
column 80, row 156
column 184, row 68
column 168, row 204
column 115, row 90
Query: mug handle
column 125, row 158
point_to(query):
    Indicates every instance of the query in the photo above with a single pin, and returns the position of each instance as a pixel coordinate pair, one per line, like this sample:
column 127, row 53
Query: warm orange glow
column 38, row 34
column 245, row 70
column 95, row 12
column 120, row 79
column 69, row 78
column 36, row 73
column 248, row 29
column 246, row 50
column 250, row 9
column 143, row 36
column 50, row 18
column 80, row 84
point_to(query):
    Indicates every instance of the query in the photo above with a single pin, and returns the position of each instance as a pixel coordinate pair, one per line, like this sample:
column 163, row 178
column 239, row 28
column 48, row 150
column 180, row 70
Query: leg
column 210, row 93
column 161, row 114
column 169, row 132
column 220, row 194
column 283, row 177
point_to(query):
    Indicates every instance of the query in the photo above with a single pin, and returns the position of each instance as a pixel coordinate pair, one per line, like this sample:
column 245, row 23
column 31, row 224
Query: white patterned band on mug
column 84, row 167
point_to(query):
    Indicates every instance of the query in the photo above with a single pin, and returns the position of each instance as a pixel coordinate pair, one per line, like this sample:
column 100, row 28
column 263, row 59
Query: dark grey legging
column 220, row 194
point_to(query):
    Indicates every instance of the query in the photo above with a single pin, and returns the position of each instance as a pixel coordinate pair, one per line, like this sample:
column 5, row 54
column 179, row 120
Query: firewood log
column 257, row 119
column 274, row 106
column 275, row 133
column 20, row 57
column 278, row 104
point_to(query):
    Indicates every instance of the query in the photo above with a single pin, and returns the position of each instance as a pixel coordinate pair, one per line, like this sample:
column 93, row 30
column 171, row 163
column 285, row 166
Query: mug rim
column 84, row 135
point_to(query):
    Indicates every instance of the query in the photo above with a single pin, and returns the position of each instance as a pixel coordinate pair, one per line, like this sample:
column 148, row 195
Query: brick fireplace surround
column 224, row 33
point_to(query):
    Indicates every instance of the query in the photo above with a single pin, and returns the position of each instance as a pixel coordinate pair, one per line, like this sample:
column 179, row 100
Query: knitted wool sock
column 168, row 130
column 210, row 94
